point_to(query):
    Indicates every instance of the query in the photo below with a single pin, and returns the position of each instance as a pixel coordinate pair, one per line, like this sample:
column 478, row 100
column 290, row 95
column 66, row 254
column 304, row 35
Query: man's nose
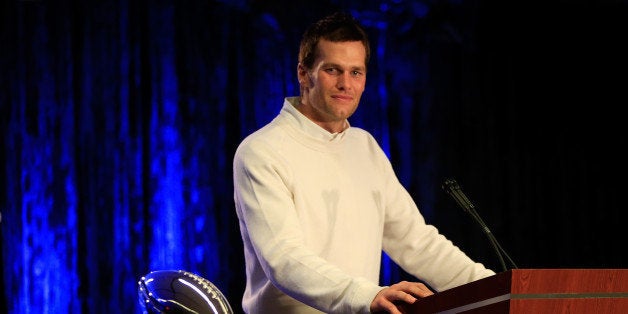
column 343, row 80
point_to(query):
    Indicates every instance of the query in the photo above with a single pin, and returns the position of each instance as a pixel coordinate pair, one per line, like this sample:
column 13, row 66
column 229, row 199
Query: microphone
column 453, row 189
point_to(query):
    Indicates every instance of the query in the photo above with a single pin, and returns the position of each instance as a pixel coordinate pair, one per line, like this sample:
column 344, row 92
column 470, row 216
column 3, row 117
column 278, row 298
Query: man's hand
column 403, row 291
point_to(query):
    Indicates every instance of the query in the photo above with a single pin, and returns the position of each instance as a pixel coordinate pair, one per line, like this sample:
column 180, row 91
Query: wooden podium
column 538, row 291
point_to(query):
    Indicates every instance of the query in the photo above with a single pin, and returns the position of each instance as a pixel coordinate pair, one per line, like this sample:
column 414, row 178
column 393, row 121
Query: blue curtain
column 120, row 120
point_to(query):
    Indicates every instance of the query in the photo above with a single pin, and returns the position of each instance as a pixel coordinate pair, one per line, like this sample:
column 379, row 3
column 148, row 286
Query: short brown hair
column 337, row 27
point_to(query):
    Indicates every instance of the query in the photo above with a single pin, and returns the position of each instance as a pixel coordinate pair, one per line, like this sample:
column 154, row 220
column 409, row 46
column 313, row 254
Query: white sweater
column 316, row 210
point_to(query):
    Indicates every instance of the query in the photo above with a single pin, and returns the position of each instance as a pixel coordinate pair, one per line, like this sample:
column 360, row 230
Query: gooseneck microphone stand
column 453, row 189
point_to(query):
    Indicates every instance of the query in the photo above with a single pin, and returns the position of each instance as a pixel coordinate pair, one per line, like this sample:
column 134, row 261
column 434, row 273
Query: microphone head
column 449, row 185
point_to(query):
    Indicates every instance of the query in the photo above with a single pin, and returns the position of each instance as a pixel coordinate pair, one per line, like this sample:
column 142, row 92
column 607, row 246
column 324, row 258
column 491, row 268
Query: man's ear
column 302, row 75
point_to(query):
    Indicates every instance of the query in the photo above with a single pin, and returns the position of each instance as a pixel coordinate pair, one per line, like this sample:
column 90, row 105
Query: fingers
column 416, row 289
column 403, row 291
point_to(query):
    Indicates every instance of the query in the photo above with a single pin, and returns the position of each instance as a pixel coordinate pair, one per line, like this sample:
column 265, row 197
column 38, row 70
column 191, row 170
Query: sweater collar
column 306, row 125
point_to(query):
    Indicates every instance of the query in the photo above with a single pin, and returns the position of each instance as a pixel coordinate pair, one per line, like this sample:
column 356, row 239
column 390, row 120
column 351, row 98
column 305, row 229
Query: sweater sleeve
column 266, row 211
column 418, row 247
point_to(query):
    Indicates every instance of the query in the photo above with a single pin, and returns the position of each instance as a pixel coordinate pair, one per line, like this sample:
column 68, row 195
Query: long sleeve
column 420, row 249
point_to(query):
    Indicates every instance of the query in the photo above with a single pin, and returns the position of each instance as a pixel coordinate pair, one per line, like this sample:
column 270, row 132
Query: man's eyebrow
column 335, row 65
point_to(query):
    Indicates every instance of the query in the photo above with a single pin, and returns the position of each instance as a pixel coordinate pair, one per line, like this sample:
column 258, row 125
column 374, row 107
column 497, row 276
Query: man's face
column 331, row 90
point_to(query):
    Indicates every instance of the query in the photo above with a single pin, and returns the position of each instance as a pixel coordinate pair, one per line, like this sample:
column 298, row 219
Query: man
column 317, row 199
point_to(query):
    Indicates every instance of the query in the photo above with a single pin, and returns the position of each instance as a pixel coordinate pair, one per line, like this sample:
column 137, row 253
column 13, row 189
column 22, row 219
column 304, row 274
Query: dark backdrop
column 119, row 122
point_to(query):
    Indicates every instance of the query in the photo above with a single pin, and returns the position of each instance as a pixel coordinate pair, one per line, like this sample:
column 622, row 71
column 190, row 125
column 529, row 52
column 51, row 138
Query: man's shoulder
column 362, row 135
column 263, row 139
column 358, row 131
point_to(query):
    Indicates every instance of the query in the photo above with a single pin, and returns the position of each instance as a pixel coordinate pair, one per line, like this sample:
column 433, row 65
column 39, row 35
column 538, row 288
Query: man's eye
column 356, row 73
column 332, row 70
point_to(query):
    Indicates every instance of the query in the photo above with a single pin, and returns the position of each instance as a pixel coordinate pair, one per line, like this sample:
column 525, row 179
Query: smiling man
column 331, row 88
column 318, row 200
